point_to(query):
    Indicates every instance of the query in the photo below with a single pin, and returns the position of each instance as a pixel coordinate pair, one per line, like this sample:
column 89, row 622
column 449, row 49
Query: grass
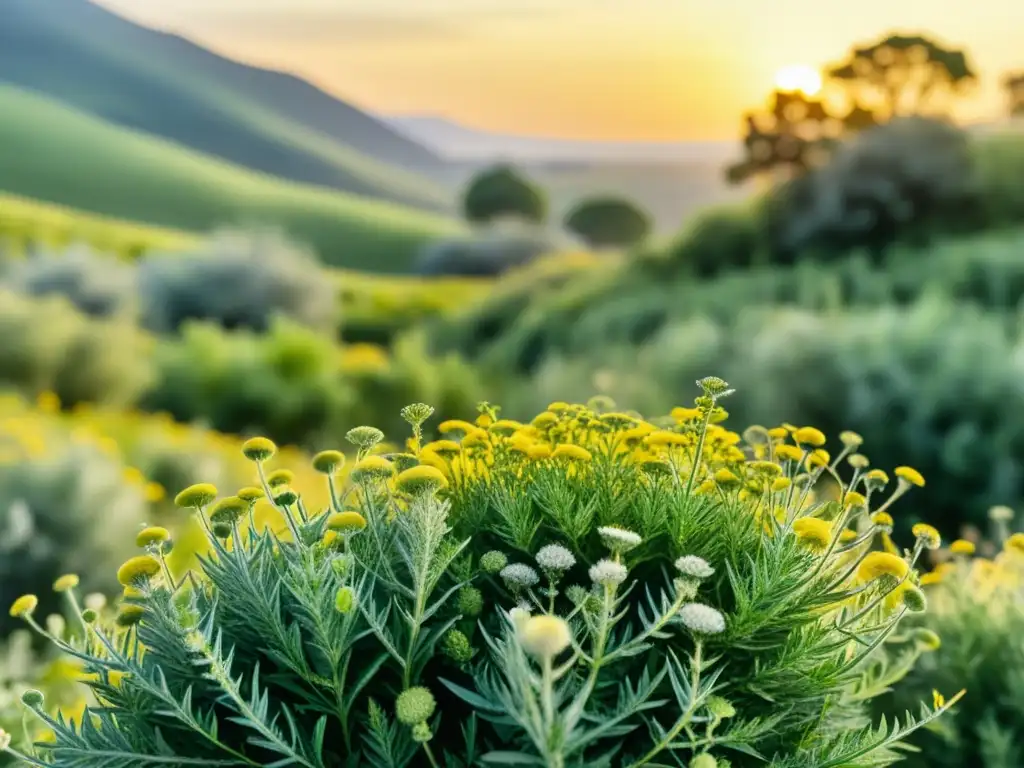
column 90, row 59
column 53, row 153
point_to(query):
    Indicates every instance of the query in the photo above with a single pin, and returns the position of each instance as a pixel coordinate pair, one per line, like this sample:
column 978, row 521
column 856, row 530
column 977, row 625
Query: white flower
column 608, row 573
column 702, row 619
column 618, row 539
column 519, row 615
column 545, row 636
column 518, row 575
column 694, row 567
column 555, row 557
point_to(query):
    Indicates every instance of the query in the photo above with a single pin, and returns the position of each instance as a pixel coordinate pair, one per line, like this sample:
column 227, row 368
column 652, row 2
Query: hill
column 53, row 153
column 92, row 59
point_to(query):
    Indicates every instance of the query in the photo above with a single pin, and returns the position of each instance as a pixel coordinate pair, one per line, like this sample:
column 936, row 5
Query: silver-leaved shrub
column 588, row 589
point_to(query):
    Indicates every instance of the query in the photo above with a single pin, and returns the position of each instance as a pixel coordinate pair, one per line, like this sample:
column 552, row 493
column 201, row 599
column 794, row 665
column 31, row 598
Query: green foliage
column 97, row 285
column 712, row 626
column 608, row 222
column 907, row 180
column 292, row 383
column 1014, row 84
column 237, row 280
column 163, row 184
column 501, row 192
column 977, row 612
column 69, row 512
column 46, row 345
column 487, row 254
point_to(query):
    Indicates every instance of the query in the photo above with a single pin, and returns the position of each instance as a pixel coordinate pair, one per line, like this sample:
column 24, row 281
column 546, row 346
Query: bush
column 502, row 192
column 944, row 401
column 608, row 222
column 100, row 286
column 46, row 345
column 719, row 626
column 291, row 383
column 238, row 280
column 485, row 255
column 909, row 179
column 70, row 511
column 976, row 610
column 717, row 240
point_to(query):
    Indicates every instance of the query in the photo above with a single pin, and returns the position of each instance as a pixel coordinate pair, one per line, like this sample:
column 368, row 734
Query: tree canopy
column 608, row 222
column 500, row 192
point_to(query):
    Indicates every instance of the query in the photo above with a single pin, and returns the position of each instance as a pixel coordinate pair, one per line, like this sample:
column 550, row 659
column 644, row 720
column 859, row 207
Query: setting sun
column 798, row 77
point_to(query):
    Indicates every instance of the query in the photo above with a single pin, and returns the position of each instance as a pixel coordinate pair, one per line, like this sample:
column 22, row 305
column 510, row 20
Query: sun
column 798, row 77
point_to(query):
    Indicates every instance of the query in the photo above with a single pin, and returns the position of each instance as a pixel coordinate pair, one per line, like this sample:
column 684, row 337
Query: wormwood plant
column 587, row 589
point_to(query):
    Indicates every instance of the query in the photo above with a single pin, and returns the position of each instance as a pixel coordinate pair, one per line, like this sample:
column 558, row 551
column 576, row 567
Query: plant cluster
column 976, row 607
column 589, row 588
column 488, row 254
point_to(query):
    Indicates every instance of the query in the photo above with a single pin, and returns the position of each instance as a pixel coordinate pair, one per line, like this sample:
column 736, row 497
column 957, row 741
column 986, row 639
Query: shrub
column 501, row 192
column 943, row 401
column 728, row 619
column 909, row 179
column 608, row 222
column 976, row 610
column 70, row 511
column 238, row 280
column 46, row 345
column 717, row 240
column 100, row 286
column 485, row 255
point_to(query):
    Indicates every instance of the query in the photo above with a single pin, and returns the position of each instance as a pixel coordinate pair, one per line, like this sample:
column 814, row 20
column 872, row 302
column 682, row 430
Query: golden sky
column 587, row 69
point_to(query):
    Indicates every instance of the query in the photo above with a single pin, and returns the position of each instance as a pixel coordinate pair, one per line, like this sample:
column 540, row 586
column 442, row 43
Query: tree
column 608, row 222
column 794, row 134
column 501, row 191
column 1015, row 91
column 904, row 75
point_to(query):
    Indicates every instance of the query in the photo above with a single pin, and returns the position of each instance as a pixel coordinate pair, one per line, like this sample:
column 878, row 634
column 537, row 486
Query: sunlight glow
column 798, row 77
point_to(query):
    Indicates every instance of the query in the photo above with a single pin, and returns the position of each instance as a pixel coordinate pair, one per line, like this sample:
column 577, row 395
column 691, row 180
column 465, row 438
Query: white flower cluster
column 555, row 557
column 702, row 619
column 694, row 567
column 618, row 539
column 608, row 573
column 518, row 575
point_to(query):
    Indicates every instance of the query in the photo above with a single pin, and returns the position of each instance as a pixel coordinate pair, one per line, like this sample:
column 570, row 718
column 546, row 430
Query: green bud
column 417, row 413
column 455, row 646
column 704, row 761
column 222, row 530
column 493, row 561
column 344, row 600
column 470, row 601
column 364, row 437
column 415, row 705
column 421, row 733
column 32, row 698
column 286, row 498
column 720, row 708
column 89, row 616
column 328, row 462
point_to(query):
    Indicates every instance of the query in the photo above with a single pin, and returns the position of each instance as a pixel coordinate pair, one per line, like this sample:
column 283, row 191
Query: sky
column 641, row 70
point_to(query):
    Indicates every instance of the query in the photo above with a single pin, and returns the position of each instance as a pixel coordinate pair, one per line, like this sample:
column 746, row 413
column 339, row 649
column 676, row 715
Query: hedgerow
column 590, row 588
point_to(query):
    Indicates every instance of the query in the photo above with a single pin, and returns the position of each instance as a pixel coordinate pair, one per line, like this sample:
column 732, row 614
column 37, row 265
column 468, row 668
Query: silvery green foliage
column 293, row 649
column 97, row 285
column 238, row 280
column 71, row 512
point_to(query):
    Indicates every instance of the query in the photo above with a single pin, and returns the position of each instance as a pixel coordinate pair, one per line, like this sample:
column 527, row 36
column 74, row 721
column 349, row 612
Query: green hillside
column 53, row 153
column 100, row 63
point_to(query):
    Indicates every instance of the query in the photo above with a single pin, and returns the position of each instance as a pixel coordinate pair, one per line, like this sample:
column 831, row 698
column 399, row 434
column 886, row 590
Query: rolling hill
column 100, row 63
column 53, row 153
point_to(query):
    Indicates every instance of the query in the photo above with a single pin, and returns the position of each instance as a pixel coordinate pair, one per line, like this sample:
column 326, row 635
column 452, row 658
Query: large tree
column 903, row 75
column 608, row 222
column 501, row 192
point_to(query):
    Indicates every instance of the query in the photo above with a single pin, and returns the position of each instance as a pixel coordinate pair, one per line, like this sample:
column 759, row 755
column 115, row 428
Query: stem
column 684, row 719
column 699, row 450
column 430, row 755
column 287, row 512
column 414, row 635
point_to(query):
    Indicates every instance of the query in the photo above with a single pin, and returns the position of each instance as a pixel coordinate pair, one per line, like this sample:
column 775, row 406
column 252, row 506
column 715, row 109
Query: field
column 50, row 152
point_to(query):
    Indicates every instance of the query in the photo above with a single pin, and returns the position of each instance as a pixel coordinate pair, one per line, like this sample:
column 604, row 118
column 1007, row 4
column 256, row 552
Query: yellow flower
column 962, row 547
column 854, row 499
column 932, row 577
column 280, row 477
column 152, row 535
column 446, row 449
column 455, row 425
column 847, row 536
column 371, row 468
column 778, row 433
column 910, row 475
column 927, row 535
column 349, row 521
column 819, row 458
column 328, row 462
column 258, row 449
column 1015, row 543
column 48, row 402
column 540, row 452
column 24, row 606
column 545, row 636
column 789, row 453
column 810, row 436
column 198, row 495
column 505, row 426
column 814, row 532
column 571, row 452
column 154, row 492
column 781, row 483
column 726, row 477
column 137, row 569
column 545, row 419
column 877, row 564
column 66, row 582
column 421, row 479
column 664, row 437
column 250, row 494
column 851, row 439
column 684, row 415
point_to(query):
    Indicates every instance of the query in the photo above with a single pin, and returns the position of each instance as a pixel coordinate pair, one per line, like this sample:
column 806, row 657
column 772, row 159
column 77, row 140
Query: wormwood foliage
column 587, row 589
